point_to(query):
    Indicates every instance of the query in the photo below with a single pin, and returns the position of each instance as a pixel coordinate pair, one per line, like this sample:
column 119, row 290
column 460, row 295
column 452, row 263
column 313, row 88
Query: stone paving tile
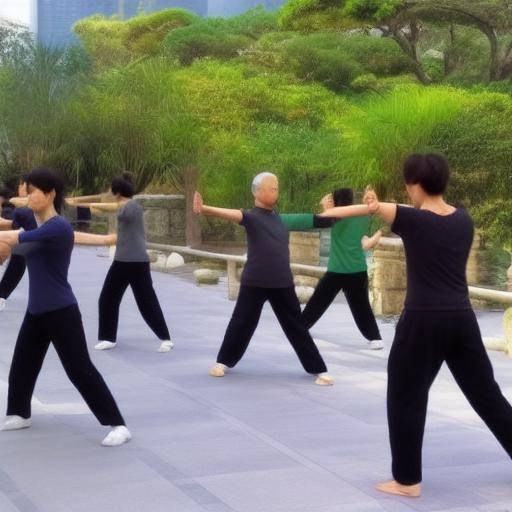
column 264, row 439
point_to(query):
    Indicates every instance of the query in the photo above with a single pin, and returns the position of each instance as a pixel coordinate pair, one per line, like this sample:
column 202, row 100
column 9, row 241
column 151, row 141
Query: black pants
column 119, row 277
column 64, row 329
column 423, row 340
column 355, row 287
column 12, row 275
column 245, row 319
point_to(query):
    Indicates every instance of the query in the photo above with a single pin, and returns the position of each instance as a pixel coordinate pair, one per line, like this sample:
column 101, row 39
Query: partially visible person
column 22, row 218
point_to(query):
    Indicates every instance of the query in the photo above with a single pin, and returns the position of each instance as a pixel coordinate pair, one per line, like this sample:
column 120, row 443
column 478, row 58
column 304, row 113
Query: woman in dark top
column 130, row 268
column 22, row 218
column 53, row 315
column 437, row 323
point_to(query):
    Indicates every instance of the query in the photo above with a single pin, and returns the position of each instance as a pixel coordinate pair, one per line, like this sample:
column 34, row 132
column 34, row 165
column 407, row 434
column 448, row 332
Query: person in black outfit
column 22, row 218
column 53, row 315
column 266, row 277
column 437, row 324
column 6, row 207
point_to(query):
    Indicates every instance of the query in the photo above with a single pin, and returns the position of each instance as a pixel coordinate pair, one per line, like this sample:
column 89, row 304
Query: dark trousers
column 423, row 340
column 119, row 277
column 245, row 319
column 64, row 329
column 355, row 288
column 12, row 275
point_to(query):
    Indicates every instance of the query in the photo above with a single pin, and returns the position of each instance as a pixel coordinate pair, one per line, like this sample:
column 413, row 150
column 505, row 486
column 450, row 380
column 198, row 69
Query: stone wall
column 389, row 279
column 164, row 218
column 305, row 247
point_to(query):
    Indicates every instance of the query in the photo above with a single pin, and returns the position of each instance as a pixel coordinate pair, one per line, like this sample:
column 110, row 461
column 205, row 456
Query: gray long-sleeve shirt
column 131, row 236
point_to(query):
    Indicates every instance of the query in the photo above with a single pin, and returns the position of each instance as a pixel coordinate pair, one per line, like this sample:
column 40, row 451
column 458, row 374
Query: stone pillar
column 474, row 271
column 389, row 277
column 305, row 247
column 164, row 218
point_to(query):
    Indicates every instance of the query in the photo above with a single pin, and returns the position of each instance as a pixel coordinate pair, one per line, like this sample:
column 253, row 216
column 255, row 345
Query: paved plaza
column 263, row 439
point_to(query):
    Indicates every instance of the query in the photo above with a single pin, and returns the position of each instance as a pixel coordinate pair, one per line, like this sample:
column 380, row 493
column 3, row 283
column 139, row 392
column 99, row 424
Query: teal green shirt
column 297, row 221
column 347, row 255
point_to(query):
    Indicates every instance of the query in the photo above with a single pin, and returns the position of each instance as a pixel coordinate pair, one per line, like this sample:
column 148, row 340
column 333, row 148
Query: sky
column 15, row 10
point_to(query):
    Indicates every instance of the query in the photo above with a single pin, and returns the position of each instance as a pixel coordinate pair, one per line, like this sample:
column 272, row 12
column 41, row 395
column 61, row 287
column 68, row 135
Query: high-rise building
column 232, row 7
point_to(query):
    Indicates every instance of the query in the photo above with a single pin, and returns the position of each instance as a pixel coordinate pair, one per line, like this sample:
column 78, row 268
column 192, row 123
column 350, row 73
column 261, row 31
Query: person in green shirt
column 347, row 270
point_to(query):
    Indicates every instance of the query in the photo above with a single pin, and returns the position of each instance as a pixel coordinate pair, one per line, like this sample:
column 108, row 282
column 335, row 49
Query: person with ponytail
column 347, row 270
column 130, row 268
column 53, row 315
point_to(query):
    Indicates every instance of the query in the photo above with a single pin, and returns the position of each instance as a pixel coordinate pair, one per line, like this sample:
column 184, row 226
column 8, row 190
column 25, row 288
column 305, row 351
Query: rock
column 206, row 276
column 174, row 260
column 356, row 32
column 376, row 32
column 304, row 293
column 507, row 326
column 434, row 54
column 160, row 261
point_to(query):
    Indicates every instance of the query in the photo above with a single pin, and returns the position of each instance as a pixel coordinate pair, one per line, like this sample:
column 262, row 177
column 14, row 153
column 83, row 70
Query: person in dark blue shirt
column 52, row 315
column 22, row 218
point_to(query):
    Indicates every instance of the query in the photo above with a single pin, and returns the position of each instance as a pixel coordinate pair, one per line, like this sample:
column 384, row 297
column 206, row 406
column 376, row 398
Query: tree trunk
column 449, row 57
column 193, row 227
column 506, row 64
column 494, row 61
column 410, row 48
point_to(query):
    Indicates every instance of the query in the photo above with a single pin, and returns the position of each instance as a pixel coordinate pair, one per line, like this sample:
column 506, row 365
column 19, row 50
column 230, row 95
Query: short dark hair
column 47, row 180
column 430, row 171
column 343, row 197
column 123, row 185
column 6, row 193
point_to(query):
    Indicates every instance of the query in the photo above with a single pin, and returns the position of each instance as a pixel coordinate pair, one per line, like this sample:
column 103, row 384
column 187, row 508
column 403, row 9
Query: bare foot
column 219, row 370
column 323, row 380
column 393, row 487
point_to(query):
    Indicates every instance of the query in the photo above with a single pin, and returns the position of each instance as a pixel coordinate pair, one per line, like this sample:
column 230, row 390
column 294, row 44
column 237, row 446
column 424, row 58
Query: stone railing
column 388, row 284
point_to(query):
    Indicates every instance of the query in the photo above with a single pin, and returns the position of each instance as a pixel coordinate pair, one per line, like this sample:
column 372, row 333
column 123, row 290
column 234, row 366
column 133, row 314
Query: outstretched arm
column 5, row 252
column 19, row 201
column 369, row 242
column 102, row 207
column 5, row 224
column 82, row 238
column 211, row 211
column 10, row 237
column 79, row 200
column 343, row 212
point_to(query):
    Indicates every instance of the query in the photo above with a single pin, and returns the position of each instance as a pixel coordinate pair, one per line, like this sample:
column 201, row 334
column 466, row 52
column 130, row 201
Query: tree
column 403, row 19
column 113, row 42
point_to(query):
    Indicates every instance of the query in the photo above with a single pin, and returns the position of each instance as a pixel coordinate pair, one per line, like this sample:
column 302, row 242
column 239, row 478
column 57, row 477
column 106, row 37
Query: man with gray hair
column 267, row 277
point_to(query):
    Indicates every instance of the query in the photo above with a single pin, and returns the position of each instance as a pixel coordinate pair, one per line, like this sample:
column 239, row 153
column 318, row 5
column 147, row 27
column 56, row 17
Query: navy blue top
column 23, row 218
column 268, row 255
column 47, row 250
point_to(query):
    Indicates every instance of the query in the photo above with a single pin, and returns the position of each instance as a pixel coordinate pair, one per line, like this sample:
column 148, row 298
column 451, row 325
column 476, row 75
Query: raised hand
column 198, row 203
column 327, row 202
column 370, row 198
